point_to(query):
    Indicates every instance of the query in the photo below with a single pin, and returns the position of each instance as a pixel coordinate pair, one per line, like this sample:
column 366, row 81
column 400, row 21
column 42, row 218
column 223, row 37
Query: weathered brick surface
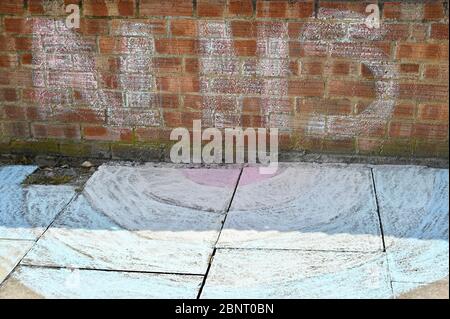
column 135, row 69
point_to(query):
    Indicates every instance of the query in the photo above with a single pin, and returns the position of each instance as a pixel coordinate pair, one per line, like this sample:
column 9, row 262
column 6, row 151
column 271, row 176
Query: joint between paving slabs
column 378, row 209
column 38, row 238
column 220, row 232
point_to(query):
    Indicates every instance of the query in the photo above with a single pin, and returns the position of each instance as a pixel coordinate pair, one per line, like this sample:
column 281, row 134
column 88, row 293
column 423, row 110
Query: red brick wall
column 135, row 69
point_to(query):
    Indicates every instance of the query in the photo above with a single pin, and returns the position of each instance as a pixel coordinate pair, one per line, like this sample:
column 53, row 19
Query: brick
column 181, row 119
column 14, row 113
column 284, row 9
column 369, row 145
column 85, row 150
column 93, row 26
column 166, row 8
column 243, row 29
column 305, row 87
column 430, row 131
column 184, row 27
column 36, row 114
column 433, row 112
column 112, row 45
column 144, row 134
column 8, row 95
column 404, row 110
column 436, row 72
column 394, row 147
column 403, row 11
column 295, row 29
column 439, row 31
column 312, row 67
column 354, row 6
column 169, row 101
column 194, row 102
column 419, row 32
column 62, row 131
column 396, row 31
column 46, row 96
column 176, row 46
column 18, row 78
column 340, row 68
column 16, row 129
column 245, row 47
column 23, row 44
column 374, row 49
column 251, row 105
column 103, row 133
column 104, row 8
column 240, row 8
column 400, row 129
column 36, row 6
column 79, row 115
column 427, row 92
column 178, row 84
column 18, row 25
column 167, row 65
column 137, row 27
column 431, row 149
column 11, row 7
column 409, row 68
column 251, row 121
column 338, row 145
column 433, row 10
column 191, row 65
column 26, row 59
column 422, row 51
column 128, row 151
column 307, row 49
column 211, row 8
column 6, row 43
column 392, row 10
column 323, row 106
column 8, row 60
column 352, row 88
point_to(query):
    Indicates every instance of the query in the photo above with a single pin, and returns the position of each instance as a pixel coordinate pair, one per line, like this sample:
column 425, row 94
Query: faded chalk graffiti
column 367, row 53
column 273, row 66
column 219, row 67
column 67, row 71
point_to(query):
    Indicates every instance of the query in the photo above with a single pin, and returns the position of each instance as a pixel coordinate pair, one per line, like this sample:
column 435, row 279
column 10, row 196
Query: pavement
column 164, row 231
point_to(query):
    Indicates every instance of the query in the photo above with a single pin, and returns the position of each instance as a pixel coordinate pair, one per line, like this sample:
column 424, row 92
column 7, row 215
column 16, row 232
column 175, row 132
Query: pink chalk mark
column 226, row 177
column 212, row 177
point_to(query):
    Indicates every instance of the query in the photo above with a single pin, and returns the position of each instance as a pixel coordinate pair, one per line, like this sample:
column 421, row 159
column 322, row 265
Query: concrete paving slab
column 33, row 282
column 414, row 211
column 305, row 206
column 130, row 219
column 11, row 175
column 25, row 212
column 201, row 189
column 244, row 273
column 85, row 238
column 11, row 252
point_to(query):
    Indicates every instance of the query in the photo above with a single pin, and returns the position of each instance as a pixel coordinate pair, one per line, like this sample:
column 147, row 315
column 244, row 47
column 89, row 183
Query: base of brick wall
column 20, row 151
